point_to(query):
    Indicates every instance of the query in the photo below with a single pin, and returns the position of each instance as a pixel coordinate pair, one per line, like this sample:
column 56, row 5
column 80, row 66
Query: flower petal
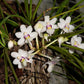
column 22, row 52
column 50, row 31
column 14, row 54
column 32, row 36
column 46, row 18
column 20, row 65
column 21, row 41
column 62, row 20
column 71, row 51
column 23, row 28
column 30, row 60
column 53, row 21
column 29, row 29
column 68, row 19
column 54, row 26
column 19, row 34
column 81, row 46
column 15, row 61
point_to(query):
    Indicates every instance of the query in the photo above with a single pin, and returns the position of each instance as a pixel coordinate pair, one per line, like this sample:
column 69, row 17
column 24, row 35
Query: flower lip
column 26, row 36
column 22, row 59
column 49, row 26
column 66, row 26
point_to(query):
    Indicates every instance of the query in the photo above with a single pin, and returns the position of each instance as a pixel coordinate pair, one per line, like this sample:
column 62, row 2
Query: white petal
column 50, row 68
column 31, row 51
column 68, row 19
column 14, row 54
column 50, row 31
column 15, row 61
column 24, row 63
column 32, row 36
column 79, row 40
column 54, row 26
column 53, row 21
column 20, row 65
column 19, row 34
column 71, row 27
column 30, row 60
column 62, row 20
column 22, row 52
column 81, row 46
column 46, row 18
column 43, row 29
column 71, row 51
column 29, row 29
column 21, row 41
column 61, row 25
column 23, row 28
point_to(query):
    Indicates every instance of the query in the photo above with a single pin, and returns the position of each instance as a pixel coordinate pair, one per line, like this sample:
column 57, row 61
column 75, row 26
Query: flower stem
column 50, row 43
column 37, row 43
column 43, row 42
column 45, row 56
column 45, row 47
column 6, row 52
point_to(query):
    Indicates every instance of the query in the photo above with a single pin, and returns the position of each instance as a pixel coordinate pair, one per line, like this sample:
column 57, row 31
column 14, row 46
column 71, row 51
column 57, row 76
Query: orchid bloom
column 50, row 25
column 65, row 25
column 21, row 58
column 51, row 64
column 26, row 35
column 39, row 28
column 76, row 42
column 62, row 40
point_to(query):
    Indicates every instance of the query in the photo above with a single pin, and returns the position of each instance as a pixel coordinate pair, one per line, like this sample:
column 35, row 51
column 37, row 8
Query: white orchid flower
column 22, row 57
column 39, row 27
column 50, row 25
column 65, row 25
column 10, row 44
column 51, row 64
column 62, row 40
column 76, row 42
column 26, row 35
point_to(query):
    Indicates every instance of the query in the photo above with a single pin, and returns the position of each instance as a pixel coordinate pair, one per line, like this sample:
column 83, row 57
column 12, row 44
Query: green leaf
column 30, row 16
column 64, row 3
column 10, row 16
column 68, row 11
column 18, row 3
column 26, row 7
column 75, row 48
column 9, row 61
column 36, row 9
column 13, row 23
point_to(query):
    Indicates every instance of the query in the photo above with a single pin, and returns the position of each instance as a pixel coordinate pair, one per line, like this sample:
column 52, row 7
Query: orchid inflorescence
column 42, row 29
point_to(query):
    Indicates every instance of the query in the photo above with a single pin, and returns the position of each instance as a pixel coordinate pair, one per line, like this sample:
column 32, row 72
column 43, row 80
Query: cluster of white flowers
column 43, row 29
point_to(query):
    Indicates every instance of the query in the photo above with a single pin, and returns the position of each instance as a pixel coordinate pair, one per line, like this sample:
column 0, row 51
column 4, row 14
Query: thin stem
column 44, row 47
column 43, row 44
column 6, row 52
column 45, row 56
column 37, row 42
column 50, row 43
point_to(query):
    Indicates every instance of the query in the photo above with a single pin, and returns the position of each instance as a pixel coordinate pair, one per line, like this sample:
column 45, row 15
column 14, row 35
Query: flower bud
column 10, row 44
